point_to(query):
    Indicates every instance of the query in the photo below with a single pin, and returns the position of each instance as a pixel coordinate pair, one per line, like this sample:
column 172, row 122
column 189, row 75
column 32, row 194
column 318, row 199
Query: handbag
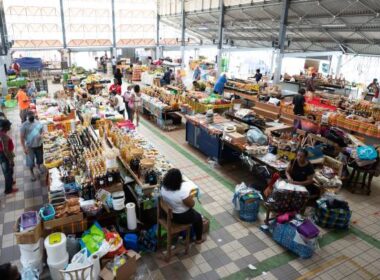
column 308, row 229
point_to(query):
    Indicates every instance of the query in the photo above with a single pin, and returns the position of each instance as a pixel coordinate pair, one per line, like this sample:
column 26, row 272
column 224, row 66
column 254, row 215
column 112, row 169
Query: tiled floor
column 232, row 245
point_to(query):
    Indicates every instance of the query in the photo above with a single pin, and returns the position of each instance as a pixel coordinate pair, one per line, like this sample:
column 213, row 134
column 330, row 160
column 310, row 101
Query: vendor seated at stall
column 167, row 77
column 115, row 87
column 91, row 88
column 177, row 194
column 374, row 88
column 219, row 85
column 301, row 172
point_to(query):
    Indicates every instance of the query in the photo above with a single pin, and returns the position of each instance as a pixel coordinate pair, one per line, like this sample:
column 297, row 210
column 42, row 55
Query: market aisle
column 232, row 245
column 31, row 195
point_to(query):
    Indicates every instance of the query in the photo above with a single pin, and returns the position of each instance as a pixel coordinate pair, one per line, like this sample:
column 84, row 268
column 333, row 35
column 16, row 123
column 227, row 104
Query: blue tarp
column 30, row 63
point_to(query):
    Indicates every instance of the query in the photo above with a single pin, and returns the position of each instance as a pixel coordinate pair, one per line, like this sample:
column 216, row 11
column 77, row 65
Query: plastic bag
column 255, row 135
column 366, row 153
column 92, row 238
column 29, row 273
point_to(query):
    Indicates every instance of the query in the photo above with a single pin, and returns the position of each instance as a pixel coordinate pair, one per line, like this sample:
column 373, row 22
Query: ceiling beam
column 313, row 40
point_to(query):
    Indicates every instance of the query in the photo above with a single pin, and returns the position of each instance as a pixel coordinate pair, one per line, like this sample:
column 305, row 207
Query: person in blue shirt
column 219, row 86
column 32, row 92
column 197, row 73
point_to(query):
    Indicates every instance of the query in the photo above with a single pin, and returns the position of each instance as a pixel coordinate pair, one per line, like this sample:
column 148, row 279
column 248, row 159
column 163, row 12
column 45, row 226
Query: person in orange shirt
column 23, row 102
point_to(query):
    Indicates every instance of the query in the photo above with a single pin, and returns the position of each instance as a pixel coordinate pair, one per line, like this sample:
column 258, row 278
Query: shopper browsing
column 374, row 88
column 115, row 87
column 7, row 155
column 258, row 75
column 197, row 73
column 135, row 104
column 219, row 86
column 113, row 61
column 310, row 83
column 32, row 92
column 118, row 103
column 167, row 77
column 127, row 96
column 177, row 194
column 31, row 140
column 299, row 103
column 23, row 102
column 118, row 76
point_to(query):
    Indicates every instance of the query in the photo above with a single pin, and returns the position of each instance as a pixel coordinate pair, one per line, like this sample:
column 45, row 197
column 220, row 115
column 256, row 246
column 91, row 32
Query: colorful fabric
column 287, row 236
column 287, row 200
column 331, row 218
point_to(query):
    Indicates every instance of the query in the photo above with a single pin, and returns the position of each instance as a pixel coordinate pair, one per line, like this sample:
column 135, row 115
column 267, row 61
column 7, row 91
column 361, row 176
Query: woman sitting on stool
column 176, row 193
column 301, row 172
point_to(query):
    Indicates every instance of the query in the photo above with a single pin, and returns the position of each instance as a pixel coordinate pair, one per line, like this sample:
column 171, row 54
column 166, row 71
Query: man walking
column 31, row 140
column 23, row 102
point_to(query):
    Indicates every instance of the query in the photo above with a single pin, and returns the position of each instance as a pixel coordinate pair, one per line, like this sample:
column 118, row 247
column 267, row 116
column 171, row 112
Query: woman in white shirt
column 176, row 193
column 118, row 103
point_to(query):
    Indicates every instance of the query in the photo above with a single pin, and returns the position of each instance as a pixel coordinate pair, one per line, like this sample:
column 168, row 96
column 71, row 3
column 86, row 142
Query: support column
column 281, row 40
column 63, row 25
column 338, row 66
column 5, row 57
column 158, row 34
column 220, row 37
column 271, row 63
column 113, row 28
column 183, row 27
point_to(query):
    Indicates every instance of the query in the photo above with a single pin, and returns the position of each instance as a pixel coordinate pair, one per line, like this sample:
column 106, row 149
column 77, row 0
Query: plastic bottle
column 155, row 195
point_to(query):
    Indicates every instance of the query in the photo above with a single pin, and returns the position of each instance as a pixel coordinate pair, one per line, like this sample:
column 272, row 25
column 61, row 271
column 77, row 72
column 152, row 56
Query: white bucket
column 31, row 252
column 118, row 200
column 58, row 251
column 55, row 267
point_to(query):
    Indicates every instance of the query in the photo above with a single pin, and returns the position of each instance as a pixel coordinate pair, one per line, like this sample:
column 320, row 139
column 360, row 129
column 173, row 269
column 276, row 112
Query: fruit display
column 93, row 78
column 243, row 86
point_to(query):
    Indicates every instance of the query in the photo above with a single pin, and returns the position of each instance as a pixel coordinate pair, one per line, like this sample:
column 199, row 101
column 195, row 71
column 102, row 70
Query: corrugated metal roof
column 334, row 25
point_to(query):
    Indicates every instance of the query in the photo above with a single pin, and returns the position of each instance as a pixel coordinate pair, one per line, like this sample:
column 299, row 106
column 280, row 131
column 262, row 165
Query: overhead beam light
column 334, row 25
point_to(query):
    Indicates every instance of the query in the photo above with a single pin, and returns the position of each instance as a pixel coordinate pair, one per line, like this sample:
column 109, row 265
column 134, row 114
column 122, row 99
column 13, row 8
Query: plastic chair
column 172, row 229
column 78, row 274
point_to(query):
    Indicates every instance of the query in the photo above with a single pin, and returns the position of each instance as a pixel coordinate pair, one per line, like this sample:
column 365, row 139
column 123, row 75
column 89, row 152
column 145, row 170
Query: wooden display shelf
column 130, row 171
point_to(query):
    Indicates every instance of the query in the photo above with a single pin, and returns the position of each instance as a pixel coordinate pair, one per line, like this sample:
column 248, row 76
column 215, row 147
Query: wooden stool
column 172, row 229
column 364, row 186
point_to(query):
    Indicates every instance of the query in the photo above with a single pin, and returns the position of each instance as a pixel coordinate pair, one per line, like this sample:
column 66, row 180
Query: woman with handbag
column 7, row 156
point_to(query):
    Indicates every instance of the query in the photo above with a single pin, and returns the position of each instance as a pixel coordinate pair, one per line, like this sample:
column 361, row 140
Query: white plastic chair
column 84, row 273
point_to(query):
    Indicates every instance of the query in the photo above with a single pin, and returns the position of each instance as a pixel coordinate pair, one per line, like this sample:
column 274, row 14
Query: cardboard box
column 126, row 271
column 63, row 221
column 28, row 236
column 235, row 138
